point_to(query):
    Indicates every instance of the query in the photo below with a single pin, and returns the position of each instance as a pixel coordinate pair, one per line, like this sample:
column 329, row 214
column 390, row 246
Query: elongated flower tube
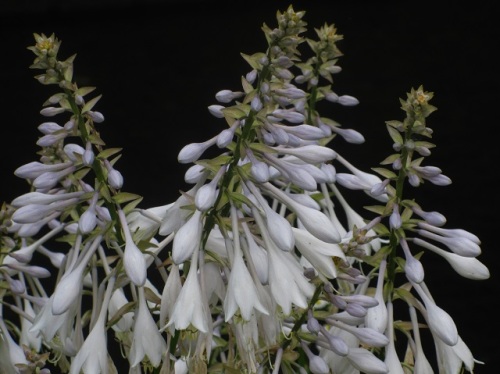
column 32, row 213
column 315, row 221
column 312, row 154
column 33, row 170
column 190, row 307
column 391, row 359
column 422, row 365
column 92, row 357
column 69, row 287
column 460, row 245
column 413, row 268
column 147, row 339
column 187, row 238
column 241, row 292
column 133, row 259
column 193, row 151
column 438, row 320
column 377, row 316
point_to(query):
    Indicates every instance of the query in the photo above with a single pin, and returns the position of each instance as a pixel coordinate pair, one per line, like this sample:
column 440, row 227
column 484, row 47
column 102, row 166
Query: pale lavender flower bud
column 351, row 181
column 35, row 212
column 87, row 221
column 347, row 100
column 225, row 137
column 280, row 136
column 413, row 179
column 379, row 188
column 97, row 117
column 317, row 365
column 133, row 259
column 260, row 171
column 205, row 197
column 432, row 218
column 88, row 155
column 312, row 154
column 51, row 111
column 356, row 310
column 187, row 238
column 467, row 267
column 43, row 198
column 453, row 233
column 50, row 140
column 226, row 96
column 193, row 151
column 423, row 151
column 291, row 92
column 289, row 115
column 216, row 110
column 460, row 245
column 427, row 171
column 256, row 104
column 47, row 180
column 49, row 128
column 251, row 76
column 395, row 218
column 332, row 97
column 279, row 229
column 313, row 81
column 34, row 169
column 440, row 180
column 194, row 174
column 413, row 269
column 300, row 105
column 349, row 135
column 366, row 362
column 438, row 320
column 71, row 149
column 377, row 317
column 398, row 164
column 34, row 271
column 363, row 300
column 103, row 213
column 115, row 179
column 337, row 344
column 305, row 132
column 367, row 335
column 312, row 323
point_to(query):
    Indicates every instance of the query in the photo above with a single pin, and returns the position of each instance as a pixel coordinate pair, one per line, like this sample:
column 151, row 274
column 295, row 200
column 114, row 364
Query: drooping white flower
column 422, row 365
column 15, row 352
column 133, row 259
column 92, row 357
column 187, row 238
column 147, row 340
column 310, row 153
column 391, row 356
column 377, row 316
column 438, row 320
column 467, row 267
column 190, row 307
column 365, row 361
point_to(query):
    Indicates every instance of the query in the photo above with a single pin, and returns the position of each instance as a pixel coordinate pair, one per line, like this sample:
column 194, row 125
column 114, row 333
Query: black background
column 159, row 64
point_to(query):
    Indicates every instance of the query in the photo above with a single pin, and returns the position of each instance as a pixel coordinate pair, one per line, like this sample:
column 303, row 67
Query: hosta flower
column 133, row 259
column 190, row 307
column 377, row 316
column 391, row 356
column 187, row 238
column 92, row 357
column 147, row 339
column 171, row 291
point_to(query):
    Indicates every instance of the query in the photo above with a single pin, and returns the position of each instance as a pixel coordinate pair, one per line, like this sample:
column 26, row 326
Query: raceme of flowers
column 261, row 266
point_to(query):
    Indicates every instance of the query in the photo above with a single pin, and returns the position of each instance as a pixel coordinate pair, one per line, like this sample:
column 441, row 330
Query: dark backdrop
column 159, row 64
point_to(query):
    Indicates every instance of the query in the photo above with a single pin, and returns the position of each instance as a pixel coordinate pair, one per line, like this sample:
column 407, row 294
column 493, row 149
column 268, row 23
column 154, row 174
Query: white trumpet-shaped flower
column 187, row 238
column 147, row 340
column 133, row 258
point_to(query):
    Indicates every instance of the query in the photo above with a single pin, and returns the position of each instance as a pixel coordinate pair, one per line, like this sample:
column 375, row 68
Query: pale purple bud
column 97, row 117
column 453, row 233
column 317, row 365
column 34, row 271
column 395, row 218
column 432, row 218
column 43, row 198
column 133, row 259
column 427, row 171
column 280, row 230
column 50, row 139
column 300, row 105
column 87, row 221
column 332, row 97
column 283, row 73
column 337, row 344
column 115, row 179
column 440, row 180
column 49, row 127
column 313, row 81
column 356, row 310
column 103, row 213
column 256, row 104
column 205, row 197
column 379, row 188
column 366, row 335
column 49, row 179
column 291, row 92
column 347, row 100
column 51, row 111
column 349, row 135
column 413, row 179
column 312, row 154
column 225, row 137
column 226, row 96
column 216, row 110
column 304, row 131
column 467, row 267
column 16, row 286
column 423, row 151
column 251, row 76
column 312, row 323
column 187, row 238
column 194, row 174
column 460, row 245
column 363, row 300
column 193, row 151
column 438, row 320
column 397, row 164
column 260, row 171
column 71, row 149
column 351, row 181
column 88, row 155
column 35, row 212
column 34, row 169
column 289, row 115
column 366, row 362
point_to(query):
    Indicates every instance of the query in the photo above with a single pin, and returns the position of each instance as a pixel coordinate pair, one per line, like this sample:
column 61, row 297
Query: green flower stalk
column 253, row 269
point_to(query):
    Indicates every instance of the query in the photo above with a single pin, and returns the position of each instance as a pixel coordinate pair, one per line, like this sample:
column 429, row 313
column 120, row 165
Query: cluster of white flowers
column 262, row 266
